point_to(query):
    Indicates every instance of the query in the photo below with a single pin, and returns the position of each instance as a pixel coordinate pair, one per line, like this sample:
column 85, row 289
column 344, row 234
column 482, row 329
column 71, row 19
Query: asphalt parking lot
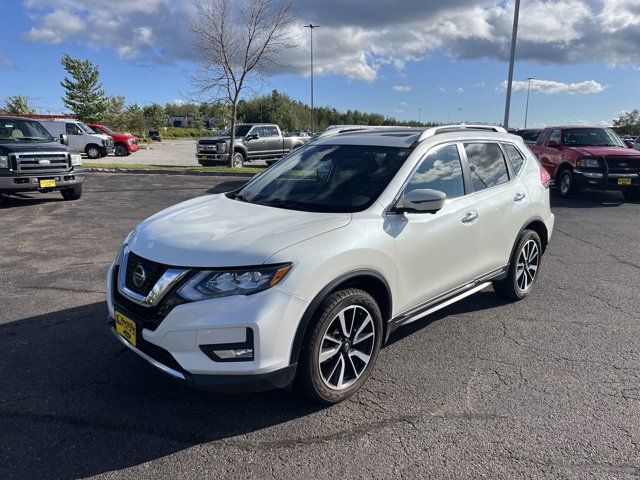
column 545, row 388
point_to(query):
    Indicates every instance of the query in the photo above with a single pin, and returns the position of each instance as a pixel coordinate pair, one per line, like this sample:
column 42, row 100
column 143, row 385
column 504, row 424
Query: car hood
column 605, row 151
column 218, row 138
column 216, row 231
column 17, row 147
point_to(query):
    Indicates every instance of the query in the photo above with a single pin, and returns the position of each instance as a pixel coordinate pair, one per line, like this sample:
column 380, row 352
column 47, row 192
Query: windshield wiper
column 32, row 138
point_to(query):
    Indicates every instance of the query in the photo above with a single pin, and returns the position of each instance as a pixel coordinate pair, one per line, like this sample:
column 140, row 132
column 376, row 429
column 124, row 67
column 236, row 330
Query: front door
column 436, row 253
column 76, row 137
column 257, row 146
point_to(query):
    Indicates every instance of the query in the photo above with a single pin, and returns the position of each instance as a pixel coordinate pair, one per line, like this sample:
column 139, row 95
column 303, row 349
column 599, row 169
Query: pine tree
column 84, row 95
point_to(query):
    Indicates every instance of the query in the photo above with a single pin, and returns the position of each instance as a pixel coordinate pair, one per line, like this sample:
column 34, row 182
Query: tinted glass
column 440, row 170
column 515, row 157
column 488, row 167
column 270, row 131
column 72, row 129
column 555, row 136
column 590, row 137
column 17, row 130
column 326, row 178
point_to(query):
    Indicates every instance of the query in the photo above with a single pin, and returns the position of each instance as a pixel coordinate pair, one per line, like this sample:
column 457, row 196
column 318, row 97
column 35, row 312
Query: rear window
column 487, row 163
column 515, row 157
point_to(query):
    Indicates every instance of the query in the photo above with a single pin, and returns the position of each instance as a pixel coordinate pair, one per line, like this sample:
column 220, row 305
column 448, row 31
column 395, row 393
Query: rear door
column 274, row 141
column 437, row 253
column 502, row 202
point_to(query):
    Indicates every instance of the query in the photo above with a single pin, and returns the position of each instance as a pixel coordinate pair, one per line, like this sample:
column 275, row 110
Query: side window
column 542, row 138
column 72, row 129
column 555, row 136
column 271, row 131
column 258, row 131
column 440, row 170
column 487, row 164
column 515, row 157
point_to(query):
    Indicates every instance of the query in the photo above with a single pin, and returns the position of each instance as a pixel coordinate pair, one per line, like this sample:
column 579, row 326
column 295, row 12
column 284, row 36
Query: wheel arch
column 368, row 280
column 537, row 225
column 561, row 168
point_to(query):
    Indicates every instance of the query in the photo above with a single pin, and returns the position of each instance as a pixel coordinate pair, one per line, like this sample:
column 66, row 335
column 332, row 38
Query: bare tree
column 238, row 42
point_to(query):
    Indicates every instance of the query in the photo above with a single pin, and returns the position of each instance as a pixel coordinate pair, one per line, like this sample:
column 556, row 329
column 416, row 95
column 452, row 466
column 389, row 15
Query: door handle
column 470, row 216
column 519, row 197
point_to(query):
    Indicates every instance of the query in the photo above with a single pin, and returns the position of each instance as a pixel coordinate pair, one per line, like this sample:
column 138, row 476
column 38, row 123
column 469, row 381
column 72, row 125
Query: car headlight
column 76, row 160
column 589, row 163
column 4, row 161
column 227, row 282
column 130, row 141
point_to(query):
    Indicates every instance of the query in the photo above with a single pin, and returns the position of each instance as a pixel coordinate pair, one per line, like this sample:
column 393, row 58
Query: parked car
column 254, row 141
column 81, row 137
column 302, row 274
column 32, row 160
column 154, row 135
column 298, row 133
column 589, row 157
column 124, row 143
column 529, row 135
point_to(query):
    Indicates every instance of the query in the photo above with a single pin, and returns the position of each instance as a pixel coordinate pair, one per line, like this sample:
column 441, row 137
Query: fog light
column 231, row 352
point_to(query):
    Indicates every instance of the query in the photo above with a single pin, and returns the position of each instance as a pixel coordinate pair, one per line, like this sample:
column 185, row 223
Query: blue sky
column 452, row 68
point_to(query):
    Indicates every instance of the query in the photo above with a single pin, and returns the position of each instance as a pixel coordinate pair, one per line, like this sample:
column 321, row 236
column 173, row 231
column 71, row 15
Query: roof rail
column 338, row 129
column 430, row 132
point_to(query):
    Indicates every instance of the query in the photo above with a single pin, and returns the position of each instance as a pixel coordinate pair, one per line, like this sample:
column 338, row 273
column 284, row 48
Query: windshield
column 23, row 130
column 241, row 131
column 108, row 130
column 326, row 178
column 86, row 128
column 590, row 137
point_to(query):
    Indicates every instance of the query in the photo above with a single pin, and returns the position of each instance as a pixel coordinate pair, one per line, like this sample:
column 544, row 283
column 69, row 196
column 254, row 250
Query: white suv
column 300, row 276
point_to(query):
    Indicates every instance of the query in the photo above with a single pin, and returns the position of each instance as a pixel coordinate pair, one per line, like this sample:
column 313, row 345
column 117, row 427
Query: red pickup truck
column 125, row 143
column 588, row 157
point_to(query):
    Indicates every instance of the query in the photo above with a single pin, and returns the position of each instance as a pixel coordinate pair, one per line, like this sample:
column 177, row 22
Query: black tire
column 511, row 288
column 93, row 152
column 73, row 193
column 567, row 184
column 632, row 195
column 238, row 159
column 121, row 150
column 309, row 380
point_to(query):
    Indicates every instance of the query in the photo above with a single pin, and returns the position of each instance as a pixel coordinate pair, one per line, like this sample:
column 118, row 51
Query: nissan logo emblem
column 139, row 276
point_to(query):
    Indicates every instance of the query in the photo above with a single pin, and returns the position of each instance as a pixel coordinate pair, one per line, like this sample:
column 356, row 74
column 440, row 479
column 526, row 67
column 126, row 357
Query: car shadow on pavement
column 22, row 200
column 76, row 403
column 484, row 300
column 589, row 199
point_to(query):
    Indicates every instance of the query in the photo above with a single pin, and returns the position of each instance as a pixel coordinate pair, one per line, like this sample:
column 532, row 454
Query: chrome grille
column 37, row 162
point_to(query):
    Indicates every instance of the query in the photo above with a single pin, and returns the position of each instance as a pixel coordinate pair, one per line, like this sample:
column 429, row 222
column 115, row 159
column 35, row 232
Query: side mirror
column 64, row 139
column 553, row 144
column 629, row 143
column 253, row 136
column 422, row 201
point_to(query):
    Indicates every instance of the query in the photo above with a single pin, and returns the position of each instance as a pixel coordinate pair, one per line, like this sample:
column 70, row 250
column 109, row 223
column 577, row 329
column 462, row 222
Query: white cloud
column 6, row 61
column 460, row 90
column 550, row 87
column 358, row 37
column 441, row 89
column 402, row 104
column 402, row 88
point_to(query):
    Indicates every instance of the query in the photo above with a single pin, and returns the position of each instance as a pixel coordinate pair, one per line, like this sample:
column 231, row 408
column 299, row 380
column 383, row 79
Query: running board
column 442, row 305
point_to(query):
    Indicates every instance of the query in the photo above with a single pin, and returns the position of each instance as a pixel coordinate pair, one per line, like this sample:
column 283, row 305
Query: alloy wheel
column 565, row 183
column 527, row 266
column 238, row 160
column 346, row 347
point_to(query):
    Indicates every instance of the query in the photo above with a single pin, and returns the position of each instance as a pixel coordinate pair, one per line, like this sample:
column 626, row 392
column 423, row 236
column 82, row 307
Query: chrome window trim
column 168, row 279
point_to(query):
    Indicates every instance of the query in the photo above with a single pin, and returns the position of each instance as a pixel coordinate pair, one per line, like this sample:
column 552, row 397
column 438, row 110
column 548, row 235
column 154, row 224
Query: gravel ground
column 544, row 388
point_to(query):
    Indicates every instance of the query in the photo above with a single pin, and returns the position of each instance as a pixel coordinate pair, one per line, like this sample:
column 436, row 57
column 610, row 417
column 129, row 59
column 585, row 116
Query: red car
column 125, row 143
column 589, row 157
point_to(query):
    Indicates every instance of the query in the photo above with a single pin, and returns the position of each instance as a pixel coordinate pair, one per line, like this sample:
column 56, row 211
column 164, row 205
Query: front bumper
column 597, row 179
column 211, row 158
column 108, row 149
column 132, row 147
column 12, row 183
column 177, row 344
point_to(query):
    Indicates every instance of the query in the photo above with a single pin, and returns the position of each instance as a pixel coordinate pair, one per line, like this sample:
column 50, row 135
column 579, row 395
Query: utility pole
column 514, row 37
column 526, row 110
column 311, row 26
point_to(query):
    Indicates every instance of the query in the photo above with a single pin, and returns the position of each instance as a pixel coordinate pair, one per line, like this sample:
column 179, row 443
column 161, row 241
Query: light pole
column 311, row 26
column 526, row 110
column 514, row 37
